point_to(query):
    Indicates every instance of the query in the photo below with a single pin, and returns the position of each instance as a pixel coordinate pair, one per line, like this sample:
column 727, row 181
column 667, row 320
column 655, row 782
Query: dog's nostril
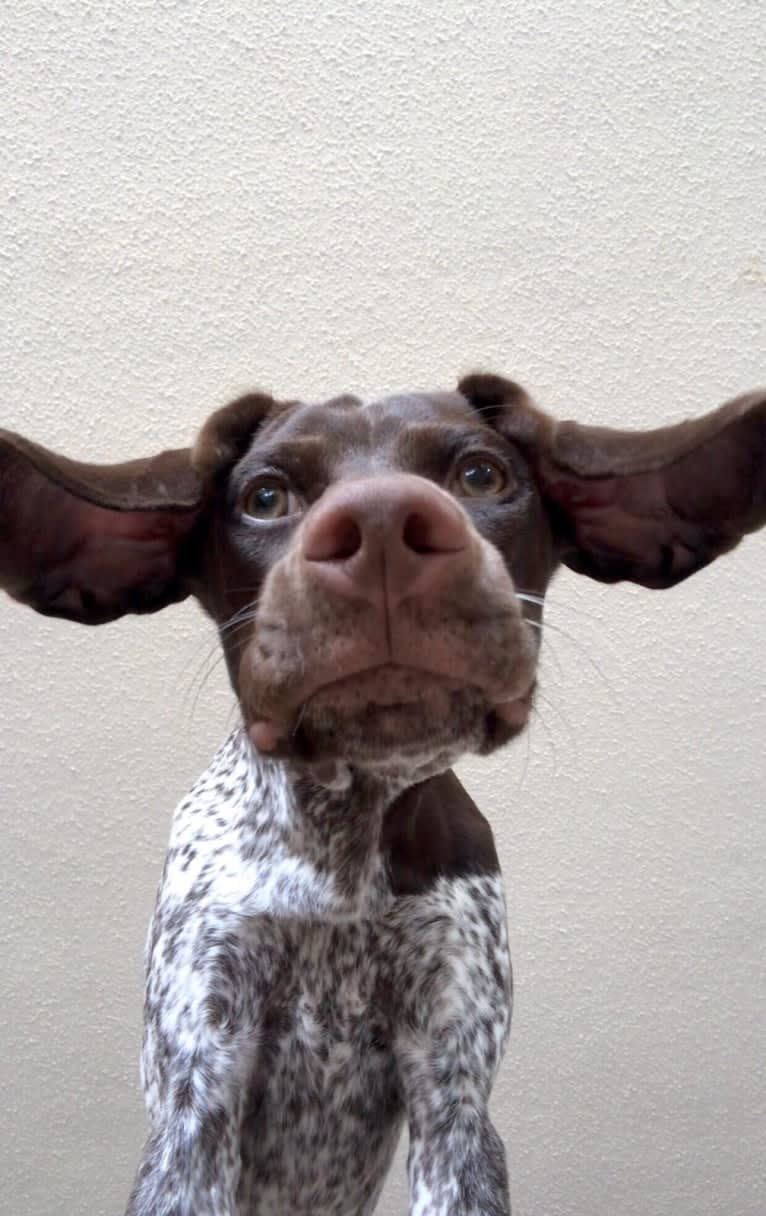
column 433, row 531
column 418, row 533
column 339, row 539
column 348, row 540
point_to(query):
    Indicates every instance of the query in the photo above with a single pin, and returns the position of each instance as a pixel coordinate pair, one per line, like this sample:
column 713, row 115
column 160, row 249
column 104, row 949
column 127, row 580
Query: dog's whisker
column 225, row 626
column 211, row 668
column 182, row 682
column 213, row 653
column 236, row 625
column 549, row 648
column 247, row 612
column 298, row 720
column 561, row 717
column 583, row 651
column 208, row 657
column 526, row 757
column 548, row 601
column 248, row 607
column 210, row 661
column 549, row 737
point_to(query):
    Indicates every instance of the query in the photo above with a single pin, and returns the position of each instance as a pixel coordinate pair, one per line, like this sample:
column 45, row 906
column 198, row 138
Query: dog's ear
column 92, row 542
column 652, row 507
column 227, row 434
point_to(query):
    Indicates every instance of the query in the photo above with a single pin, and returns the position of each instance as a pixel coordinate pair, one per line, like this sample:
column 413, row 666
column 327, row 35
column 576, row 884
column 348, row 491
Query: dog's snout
column 389, row 535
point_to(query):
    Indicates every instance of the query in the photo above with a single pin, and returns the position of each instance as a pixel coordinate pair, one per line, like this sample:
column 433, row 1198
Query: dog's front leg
column 201, row 1035
column 456, row 1166
column 188, row 1174
column 456, row 1162
column 191, row 1160
column 453, row 1032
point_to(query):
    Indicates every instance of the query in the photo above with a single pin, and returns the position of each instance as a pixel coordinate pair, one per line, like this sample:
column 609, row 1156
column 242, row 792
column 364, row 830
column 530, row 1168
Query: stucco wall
column 316, row 197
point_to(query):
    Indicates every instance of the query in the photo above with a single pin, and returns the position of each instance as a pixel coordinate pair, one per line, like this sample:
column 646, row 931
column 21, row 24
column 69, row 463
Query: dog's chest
column 325, row 1104
column 287, row 999
column 328, row 1018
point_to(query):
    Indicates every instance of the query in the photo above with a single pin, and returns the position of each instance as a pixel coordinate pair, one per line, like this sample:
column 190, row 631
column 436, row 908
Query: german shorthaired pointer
column 329, row 955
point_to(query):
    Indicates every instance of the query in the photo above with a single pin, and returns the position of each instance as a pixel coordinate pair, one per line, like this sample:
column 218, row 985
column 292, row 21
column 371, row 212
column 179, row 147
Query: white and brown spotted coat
column 303, row 1000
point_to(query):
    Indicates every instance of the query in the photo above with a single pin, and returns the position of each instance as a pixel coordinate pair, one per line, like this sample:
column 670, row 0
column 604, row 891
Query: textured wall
column 324, row 196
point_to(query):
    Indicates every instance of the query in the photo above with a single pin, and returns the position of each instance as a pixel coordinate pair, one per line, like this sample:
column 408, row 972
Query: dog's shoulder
column 435, row 830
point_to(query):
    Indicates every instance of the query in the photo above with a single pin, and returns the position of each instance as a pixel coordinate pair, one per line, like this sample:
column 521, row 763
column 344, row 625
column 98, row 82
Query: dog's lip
column 389, row 666
column 265, row 734
column 516, row 711
column 268, row 733
column 381, row 670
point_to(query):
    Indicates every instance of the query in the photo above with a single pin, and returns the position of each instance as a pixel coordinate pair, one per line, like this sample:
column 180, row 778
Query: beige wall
column 317, row 197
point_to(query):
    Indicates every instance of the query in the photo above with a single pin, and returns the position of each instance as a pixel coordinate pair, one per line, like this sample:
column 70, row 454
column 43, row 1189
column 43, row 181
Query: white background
column 316, row 197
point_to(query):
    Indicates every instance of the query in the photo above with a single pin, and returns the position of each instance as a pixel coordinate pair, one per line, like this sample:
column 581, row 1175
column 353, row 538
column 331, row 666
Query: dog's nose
column 390, row 536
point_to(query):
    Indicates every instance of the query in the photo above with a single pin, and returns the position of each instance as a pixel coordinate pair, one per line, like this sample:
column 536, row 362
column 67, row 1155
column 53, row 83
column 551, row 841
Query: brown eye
column 478, row 477
column 266, row 499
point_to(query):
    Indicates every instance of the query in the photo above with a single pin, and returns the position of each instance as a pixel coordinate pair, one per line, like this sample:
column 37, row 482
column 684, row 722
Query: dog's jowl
column 328, row 957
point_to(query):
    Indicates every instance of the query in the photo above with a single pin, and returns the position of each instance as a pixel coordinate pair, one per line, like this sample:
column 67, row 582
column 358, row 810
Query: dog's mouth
column 386, row 686
column 392, row 715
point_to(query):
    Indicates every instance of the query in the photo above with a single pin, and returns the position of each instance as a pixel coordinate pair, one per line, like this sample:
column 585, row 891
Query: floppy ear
column 93, row 542
column 228, row 432
column 652, row 507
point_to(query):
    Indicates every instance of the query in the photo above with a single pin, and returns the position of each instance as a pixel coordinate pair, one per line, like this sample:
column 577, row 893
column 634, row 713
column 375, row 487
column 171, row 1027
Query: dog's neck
column 307, row 850
column 321, row 830
column 337, row 829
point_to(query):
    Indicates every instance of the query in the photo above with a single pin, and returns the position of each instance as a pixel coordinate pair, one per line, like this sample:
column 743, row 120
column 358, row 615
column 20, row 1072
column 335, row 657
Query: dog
column 328, row 957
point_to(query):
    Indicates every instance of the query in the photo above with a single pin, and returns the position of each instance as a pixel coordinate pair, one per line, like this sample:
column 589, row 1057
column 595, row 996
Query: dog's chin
column 399, row 722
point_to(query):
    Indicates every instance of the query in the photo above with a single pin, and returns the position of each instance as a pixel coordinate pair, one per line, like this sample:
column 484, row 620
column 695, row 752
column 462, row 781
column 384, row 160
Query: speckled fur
column 298, row 1011
column 328, row 957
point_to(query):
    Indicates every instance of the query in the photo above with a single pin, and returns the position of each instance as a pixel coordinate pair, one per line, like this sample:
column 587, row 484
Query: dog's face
column 374, row 568
column 368, row 558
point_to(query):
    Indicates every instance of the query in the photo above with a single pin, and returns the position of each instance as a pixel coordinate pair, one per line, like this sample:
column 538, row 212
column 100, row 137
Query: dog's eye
column 265, row 498
column 479, row 477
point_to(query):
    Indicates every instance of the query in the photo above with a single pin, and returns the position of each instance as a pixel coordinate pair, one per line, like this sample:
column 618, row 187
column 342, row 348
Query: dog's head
column 376, row 570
